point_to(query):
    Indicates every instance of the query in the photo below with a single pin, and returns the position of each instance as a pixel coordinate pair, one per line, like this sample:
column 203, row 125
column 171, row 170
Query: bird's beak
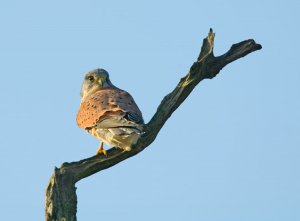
column 100, row 81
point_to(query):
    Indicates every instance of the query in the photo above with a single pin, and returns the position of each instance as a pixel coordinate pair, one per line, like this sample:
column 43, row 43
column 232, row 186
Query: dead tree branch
column 61, row 199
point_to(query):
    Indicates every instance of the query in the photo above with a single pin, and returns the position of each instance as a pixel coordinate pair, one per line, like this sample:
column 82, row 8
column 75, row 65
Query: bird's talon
column 101, row 150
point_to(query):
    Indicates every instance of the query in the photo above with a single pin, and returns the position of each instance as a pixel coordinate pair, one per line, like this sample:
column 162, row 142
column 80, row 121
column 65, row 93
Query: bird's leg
column 101, row 150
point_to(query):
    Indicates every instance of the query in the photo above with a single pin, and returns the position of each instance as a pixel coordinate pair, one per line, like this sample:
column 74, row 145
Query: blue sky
column 229, row 153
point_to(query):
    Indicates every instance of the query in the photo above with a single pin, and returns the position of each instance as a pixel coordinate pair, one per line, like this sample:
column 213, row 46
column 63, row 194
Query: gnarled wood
column 61, row 197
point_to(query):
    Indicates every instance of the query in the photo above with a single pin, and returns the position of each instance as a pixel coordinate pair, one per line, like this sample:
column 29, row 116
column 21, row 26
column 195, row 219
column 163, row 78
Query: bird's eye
column 90, row 78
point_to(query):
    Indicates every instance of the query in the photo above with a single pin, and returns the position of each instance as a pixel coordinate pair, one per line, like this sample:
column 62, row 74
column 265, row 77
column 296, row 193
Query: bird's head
column 93, row 81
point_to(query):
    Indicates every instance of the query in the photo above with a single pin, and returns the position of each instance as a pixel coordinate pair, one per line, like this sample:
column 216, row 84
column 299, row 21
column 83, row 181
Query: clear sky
column 231, row 152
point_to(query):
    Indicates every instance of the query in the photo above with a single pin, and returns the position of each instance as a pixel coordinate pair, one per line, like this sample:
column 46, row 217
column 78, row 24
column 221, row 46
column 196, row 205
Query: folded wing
column 108, row 108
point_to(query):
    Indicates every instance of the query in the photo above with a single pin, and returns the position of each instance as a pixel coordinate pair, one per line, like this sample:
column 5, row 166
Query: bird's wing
column 113, row 107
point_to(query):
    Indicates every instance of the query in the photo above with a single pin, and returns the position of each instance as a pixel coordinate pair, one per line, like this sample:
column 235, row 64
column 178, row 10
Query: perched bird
column 108, row 113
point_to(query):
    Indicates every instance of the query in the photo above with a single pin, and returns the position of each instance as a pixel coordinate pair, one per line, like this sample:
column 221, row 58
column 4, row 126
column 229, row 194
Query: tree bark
column 61, row 199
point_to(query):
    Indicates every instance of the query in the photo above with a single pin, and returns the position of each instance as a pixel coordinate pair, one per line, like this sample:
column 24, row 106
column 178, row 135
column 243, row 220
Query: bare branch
column 61, row 198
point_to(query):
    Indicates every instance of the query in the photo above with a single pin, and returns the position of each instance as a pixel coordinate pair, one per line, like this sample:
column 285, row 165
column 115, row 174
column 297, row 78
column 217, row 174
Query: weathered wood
column 61, row 200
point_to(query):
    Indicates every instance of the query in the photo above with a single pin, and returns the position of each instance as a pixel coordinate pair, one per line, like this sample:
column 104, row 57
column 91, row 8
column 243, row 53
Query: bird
column 108, row 113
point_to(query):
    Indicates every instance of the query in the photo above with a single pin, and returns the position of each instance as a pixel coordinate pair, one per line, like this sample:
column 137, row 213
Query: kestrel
column 108, row 113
